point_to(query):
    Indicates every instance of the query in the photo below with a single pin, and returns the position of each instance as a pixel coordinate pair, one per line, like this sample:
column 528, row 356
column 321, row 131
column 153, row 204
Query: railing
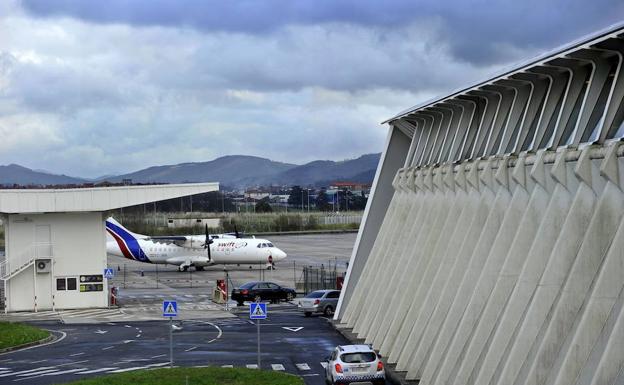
column 11, row 266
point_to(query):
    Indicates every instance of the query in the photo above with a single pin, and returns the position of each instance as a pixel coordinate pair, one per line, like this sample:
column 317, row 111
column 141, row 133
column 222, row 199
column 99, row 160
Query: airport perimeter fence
column 304, row 278
column 248, row 223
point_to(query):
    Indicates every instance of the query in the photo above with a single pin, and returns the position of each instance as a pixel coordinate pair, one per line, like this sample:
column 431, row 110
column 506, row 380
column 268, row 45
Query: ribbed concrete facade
column 495, row 255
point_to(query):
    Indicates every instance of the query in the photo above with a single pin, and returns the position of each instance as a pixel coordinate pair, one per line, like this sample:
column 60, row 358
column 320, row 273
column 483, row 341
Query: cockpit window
column 270, row 244
column 259, row 245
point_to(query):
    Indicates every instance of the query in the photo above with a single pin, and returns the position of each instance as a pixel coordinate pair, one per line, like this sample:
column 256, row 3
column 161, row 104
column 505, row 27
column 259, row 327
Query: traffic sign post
column 258, row 311
column 170, row 309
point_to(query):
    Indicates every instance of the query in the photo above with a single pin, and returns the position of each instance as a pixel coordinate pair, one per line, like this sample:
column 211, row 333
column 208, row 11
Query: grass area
column 195, row 376
column 14, row 334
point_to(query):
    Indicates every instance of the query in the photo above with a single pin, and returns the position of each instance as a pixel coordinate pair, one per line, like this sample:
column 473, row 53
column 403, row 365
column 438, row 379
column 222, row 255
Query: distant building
column 257, row 194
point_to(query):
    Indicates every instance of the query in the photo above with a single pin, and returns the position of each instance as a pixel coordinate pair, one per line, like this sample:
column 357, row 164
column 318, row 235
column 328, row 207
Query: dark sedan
column 262, row 291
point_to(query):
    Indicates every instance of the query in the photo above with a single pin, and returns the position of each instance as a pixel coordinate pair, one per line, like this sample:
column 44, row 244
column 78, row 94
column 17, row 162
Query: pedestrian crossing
column 79, row 368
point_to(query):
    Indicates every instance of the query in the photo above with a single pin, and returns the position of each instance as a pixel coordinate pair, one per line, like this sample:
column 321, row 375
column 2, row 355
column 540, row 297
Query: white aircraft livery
column 190, row 250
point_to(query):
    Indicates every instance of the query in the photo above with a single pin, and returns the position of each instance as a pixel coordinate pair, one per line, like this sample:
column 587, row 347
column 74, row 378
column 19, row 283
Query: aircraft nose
column 279, row 254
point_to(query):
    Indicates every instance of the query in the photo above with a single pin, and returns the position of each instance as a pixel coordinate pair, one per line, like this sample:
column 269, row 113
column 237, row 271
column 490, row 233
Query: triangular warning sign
column 258, row 312
column 170, row 309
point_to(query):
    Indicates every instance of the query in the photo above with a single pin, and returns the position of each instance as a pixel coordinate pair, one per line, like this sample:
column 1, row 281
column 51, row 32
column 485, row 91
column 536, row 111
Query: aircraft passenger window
column 259, row 245
column 71, row 283
column 60, row 284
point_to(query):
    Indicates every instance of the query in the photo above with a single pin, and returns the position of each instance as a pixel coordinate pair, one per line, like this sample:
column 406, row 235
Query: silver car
column 320, row 301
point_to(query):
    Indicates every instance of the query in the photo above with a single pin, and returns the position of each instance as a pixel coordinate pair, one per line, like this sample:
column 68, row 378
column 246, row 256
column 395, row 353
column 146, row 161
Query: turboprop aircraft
column 185, row 251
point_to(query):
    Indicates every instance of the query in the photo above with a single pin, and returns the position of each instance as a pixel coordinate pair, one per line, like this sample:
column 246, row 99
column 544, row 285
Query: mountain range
column 232, row 172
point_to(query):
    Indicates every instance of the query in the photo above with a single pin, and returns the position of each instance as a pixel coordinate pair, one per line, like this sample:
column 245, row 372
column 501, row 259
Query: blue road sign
column 170, row 308
column 109, row 273
column 257, row 310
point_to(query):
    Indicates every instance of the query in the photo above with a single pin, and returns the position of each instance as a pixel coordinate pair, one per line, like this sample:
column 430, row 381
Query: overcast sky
column 89, row 88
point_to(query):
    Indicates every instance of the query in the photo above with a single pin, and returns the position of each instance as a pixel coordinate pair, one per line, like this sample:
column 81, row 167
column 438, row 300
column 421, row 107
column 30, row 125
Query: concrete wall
column 501, row 271
column 76, row 247
column 498, row 259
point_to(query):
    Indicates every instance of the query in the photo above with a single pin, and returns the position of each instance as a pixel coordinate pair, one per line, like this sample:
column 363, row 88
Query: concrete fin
column 428, row 178
column 460, row 178
column 437, row 178
column 538, row 171
column 558, row 170
column 418, row 180
column 397, row 179
column 609, row 167
column 487, row 174
column 449, row 177
column 583, row 166
column 502, row 174
column 519, row 171
column 473, row 175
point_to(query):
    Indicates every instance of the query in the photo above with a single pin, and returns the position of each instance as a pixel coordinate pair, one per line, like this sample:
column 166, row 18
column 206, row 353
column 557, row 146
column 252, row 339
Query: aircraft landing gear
column 183, row 268
column 199, row 268
column 271, row 267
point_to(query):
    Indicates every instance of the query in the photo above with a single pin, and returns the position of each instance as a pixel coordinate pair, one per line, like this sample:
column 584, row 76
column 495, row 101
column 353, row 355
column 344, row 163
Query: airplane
column 191, row 250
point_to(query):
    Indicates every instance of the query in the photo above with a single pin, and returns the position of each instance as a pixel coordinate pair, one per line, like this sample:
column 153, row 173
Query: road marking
column 128, row 326
column 27, row 371
column 108, row 347
column 303, row 366
column 139, row 367
column 65, row 372
column 127, row 341
column 191, row 349
column 278, row 367
column 158, row 356
column 5, row 371
column 99, row 331
column 76, row 354
column 292, row 329
column 310, row 375
column 35, row 373
column 37, row 362
column 137, row 336
column 324, row 365
column 251, row 366
column 227, row 366
column 98, row 370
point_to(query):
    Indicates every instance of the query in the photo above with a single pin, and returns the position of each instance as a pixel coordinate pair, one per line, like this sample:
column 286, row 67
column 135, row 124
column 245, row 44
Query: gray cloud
column 475, row 30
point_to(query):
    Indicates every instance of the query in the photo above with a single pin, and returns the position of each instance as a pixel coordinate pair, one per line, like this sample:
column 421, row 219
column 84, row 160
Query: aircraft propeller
column 207, row 244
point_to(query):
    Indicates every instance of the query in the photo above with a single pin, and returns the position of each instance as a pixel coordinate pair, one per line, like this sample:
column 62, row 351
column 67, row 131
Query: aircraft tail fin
column 116, row 227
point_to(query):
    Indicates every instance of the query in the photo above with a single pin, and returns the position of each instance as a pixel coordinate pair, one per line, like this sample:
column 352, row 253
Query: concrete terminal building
column 492, row 250
column 56, row 242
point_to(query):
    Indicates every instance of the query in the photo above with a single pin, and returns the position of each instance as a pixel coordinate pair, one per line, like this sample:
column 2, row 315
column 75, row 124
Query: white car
column 354, row 364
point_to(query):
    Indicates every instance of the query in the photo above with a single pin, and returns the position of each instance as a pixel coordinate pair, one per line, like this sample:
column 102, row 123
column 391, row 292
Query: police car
column 350, row 364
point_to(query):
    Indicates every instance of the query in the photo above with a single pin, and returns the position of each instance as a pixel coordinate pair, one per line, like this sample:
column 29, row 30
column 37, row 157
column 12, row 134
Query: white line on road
column 76, row 354
column 37, row 362
column 108, row 347
column 278, row 367
column 65, row 372
column 27, row 371
column 61, row 338
column 303, row 366
column 98, row 370
column 36, row 373
column 139, row 367
column 158, row 356
column 191, row 349
column 251, row 366
column 324, row 365
column 227, row 366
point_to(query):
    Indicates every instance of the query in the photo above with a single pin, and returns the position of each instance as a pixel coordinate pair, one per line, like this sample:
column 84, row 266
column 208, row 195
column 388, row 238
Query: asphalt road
column 289, row 342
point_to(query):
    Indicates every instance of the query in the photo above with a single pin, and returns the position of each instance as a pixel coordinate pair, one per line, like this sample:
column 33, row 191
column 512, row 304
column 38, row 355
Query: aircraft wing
column 180, row 240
